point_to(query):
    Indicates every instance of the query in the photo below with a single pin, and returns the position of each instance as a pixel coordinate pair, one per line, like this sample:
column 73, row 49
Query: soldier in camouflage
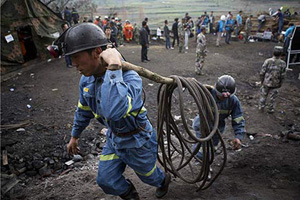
column 120, row 36
column 272, row 74
column 136, row 33
column 200, row 51
column 248, row 27
column 181, row 32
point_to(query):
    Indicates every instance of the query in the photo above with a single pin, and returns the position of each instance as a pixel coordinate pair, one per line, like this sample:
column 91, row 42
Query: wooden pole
column 147, row 73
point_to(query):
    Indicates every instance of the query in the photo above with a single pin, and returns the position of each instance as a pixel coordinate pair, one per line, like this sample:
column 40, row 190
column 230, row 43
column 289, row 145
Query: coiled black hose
column 178, row 149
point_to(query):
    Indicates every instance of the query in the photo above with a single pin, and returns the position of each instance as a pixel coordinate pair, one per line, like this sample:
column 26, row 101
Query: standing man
column 271, row 75
column 167, row 35
column 229, row 28
column 200, row 51
column 228, row 105
column 211, row 22
column 75, row 15
column 239, row 21
column 248, row 27
column 220, row 29
column 279, row 17
column 181, row 33
column 114, row 33
column 57, row 11
column 120, row 36
column 114, row 98
column 144, row 42
column 175, row 33
column 68, row 16
column 68, row 59
column 136, row 33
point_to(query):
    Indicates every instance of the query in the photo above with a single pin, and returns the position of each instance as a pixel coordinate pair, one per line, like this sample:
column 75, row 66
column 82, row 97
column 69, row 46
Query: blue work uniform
column 229, row 24
column 115, row 100
column 229, row 106
column 288, row 32
column 221, row 26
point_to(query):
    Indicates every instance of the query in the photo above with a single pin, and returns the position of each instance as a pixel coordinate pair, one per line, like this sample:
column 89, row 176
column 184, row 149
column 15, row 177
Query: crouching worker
column 228, row 104
column 114, row 98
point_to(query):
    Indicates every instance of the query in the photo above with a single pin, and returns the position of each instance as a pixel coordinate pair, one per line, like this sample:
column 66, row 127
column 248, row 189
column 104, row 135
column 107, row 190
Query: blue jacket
column 239, row 19
column 221, row 26
column 288, row 31
column 229, row 106
column 115, row 100
column 229, row 24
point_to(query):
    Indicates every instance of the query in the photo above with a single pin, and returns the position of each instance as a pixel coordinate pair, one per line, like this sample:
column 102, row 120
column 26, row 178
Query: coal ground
column 269, row 168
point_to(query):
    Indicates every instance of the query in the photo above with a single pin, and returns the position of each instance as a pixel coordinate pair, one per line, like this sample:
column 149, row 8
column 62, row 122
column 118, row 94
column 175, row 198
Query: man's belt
column 136, row 131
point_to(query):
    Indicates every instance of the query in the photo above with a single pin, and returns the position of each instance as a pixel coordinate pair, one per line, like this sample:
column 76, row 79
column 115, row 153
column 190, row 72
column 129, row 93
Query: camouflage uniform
column 200, row 53
column 120, row 33
column 272, row 73
column 181, row 33
column 248, row 27
column 136, row 33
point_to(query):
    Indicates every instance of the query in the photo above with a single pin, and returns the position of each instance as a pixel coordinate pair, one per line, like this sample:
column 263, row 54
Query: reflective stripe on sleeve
column 96, row 115
column 238, row 119
column 149, row 173
column 129, row 107
column 82, row 107
column 108, row 157
column 135, row 113
column 224, row 111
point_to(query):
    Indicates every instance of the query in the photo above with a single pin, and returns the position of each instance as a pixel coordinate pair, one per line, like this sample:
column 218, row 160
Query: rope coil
column 179, row 149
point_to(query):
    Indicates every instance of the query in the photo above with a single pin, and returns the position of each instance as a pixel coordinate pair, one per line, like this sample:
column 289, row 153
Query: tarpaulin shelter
column 27, row 28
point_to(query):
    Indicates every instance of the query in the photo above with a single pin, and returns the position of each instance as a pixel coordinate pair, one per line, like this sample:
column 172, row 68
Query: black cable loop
column 184, row 145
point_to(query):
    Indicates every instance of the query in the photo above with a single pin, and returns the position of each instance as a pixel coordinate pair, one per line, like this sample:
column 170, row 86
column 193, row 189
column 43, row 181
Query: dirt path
column 267, row 169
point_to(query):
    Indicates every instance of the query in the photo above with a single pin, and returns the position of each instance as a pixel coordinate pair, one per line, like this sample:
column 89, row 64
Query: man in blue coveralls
column 114, row 98
column 228, row 104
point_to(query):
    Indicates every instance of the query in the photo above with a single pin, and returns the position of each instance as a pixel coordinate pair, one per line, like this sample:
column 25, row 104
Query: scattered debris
column 13, row 126
column 258, row 83
column 4, row 157
column 7, row 187
column 49, row 60
column 21, row 130
column 293, row 135
column 251, row 137
column 28, row 106
column 54, row 89
column 77, row 158
column 70, row 162
column 177, row 118
column 12, row 89
column 103, row 131
column 150, row 84
column 260, row 54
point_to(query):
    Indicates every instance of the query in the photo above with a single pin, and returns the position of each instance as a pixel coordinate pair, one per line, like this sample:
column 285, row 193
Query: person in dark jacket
column 144, row 41
column 167, row 35
column 114, row 33
column 175, row 33
column 68, row 16
column 75, row 15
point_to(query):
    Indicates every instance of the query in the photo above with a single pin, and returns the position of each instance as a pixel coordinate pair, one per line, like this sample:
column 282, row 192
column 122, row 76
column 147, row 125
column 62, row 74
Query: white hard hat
column 270, row 9
column 223, row 17
column 281, row 8
column 96, row 17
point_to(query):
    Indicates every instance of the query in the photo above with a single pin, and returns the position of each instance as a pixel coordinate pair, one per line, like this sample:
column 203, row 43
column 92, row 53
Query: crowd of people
column 114, row 97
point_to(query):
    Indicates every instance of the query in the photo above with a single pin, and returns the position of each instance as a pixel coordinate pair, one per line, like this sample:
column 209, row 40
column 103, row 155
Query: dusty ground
column 268, row 169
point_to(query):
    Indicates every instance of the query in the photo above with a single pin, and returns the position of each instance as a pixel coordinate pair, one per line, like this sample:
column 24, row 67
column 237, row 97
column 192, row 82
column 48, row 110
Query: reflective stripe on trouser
column 200, row 58
column 142, row 160
column 264, row 93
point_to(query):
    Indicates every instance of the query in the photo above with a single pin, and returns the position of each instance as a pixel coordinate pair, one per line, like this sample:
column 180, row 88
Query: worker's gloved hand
column 236, row 144
column 111, row 59
column 73, row 146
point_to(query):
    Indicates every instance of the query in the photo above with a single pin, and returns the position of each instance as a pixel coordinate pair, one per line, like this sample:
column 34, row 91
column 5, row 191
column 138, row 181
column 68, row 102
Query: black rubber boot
column 163, row 190
column 131, row 193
